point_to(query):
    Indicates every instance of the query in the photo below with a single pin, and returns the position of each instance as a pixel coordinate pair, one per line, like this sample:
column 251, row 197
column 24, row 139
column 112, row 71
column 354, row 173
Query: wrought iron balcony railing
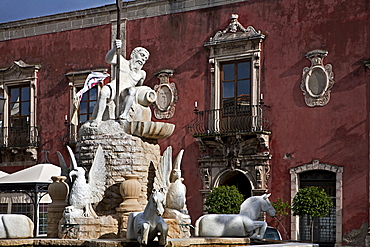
column 19, row 136
column 230, row 120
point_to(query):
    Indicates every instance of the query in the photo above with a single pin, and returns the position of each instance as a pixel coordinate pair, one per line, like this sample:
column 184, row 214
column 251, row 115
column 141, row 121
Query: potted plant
column 312, row 201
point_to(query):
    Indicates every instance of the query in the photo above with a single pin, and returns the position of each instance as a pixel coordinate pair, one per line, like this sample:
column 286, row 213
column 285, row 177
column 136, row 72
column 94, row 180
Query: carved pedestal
column 129, row 160
column 123, row 220
column 89, row 228
column 130, row 192
column 178, row 229
column 124, row 154
column 58, row 192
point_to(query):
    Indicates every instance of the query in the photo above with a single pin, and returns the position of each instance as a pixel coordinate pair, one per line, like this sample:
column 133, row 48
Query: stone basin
column 150, row 130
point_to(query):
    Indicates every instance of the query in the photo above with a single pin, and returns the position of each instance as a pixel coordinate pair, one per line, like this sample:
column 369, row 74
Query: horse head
column 158, row 199
column 266, row 205
column 253, row 206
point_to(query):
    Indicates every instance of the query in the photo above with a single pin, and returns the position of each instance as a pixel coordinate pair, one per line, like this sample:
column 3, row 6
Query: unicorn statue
column 244, row 224
column 146, row 226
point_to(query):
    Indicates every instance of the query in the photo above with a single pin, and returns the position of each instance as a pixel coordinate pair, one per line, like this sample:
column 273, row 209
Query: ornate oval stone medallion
column 317, row 80
column 164, row 107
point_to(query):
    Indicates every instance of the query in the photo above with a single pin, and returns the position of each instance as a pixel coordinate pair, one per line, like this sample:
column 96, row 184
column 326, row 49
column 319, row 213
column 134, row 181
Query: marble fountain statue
column 117, row 156
column 120, row 186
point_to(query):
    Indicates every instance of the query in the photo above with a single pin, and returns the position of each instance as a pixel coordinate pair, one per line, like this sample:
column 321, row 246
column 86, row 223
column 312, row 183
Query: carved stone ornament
column 235, row 30
column 164, row 107
column 317, row 80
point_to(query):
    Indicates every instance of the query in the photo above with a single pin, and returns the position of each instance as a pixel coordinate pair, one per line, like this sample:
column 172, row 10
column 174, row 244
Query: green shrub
column 282, row 208
column 312, row 201
column 224, row 200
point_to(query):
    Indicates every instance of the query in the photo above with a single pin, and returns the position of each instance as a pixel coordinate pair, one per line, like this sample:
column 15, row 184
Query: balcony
column 230, row 120
column 19, row 136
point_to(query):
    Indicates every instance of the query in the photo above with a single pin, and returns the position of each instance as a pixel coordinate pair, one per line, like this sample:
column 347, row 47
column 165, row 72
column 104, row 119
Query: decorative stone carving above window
column 164, row 107
column 231, row 32
column 317, row 80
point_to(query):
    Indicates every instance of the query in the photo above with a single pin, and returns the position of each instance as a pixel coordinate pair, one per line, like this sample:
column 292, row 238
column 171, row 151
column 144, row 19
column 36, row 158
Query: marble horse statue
column 146, row 226
column 15, row 226
column 244, row 224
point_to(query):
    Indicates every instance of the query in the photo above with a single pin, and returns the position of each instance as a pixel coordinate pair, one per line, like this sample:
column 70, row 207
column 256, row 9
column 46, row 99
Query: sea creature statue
column 83, row 193
column 146, row 226
column 244, row 224
column 168, row 175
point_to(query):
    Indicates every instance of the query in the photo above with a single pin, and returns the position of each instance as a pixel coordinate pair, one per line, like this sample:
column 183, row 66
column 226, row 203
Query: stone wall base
column 55, row 214
column 89, row 228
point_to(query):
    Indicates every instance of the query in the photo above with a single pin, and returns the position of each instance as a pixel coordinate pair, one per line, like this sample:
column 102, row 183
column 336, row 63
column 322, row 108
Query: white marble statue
column 244, row 224
column 146, row 226
column 15, row 226
column 83, row 193
column 132, row 92
column 168, row 175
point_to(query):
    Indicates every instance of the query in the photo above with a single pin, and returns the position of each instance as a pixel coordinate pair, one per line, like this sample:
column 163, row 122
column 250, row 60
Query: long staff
column 118, row 36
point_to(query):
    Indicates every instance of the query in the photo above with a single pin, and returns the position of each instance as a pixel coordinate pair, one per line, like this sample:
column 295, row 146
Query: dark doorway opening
column 239, row 180
column 324, row 228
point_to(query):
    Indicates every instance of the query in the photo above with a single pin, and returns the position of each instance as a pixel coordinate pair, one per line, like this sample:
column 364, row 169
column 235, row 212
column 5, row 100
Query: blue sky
column 13, row 10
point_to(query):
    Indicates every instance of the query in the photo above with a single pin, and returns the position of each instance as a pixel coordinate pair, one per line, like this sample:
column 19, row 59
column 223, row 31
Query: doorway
column 325, row 227
column 239, row 180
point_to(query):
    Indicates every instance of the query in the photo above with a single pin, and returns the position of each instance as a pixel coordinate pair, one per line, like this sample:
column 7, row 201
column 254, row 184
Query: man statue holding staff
column 131, row 77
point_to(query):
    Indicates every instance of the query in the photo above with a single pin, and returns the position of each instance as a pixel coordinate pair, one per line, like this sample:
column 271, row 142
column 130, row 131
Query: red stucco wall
column 57, row 54
column 336, row 133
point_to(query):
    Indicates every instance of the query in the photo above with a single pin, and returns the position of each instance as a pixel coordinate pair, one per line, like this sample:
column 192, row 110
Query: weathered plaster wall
column 335, row 133
column 174, row 34
column 57, row 53
column 338, row 132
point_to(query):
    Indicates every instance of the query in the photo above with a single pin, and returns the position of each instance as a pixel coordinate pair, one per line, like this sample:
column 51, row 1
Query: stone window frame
column 216, row 77
column 20, row 74
column 235, row 43
column 76, row 79
column 294, row 183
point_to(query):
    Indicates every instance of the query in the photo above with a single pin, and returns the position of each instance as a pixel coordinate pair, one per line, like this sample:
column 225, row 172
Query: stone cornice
column 100, row 16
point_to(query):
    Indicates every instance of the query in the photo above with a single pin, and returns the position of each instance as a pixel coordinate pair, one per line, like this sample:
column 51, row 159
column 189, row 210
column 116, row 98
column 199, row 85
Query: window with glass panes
column 87, row 104
column 43, row 218
column 22, row 208
column 3, row 208
column 236, row 87
column 19, row 115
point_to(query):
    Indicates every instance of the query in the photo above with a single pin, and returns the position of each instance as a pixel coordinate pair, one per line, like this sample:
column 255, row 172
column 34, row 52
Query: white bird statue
column 83, row 194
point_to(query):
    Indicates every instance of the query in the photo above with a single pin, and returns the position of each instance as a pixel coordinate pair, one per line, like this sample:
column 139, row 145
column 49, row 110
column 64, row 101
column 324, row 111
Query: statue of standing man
column 131, row 79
